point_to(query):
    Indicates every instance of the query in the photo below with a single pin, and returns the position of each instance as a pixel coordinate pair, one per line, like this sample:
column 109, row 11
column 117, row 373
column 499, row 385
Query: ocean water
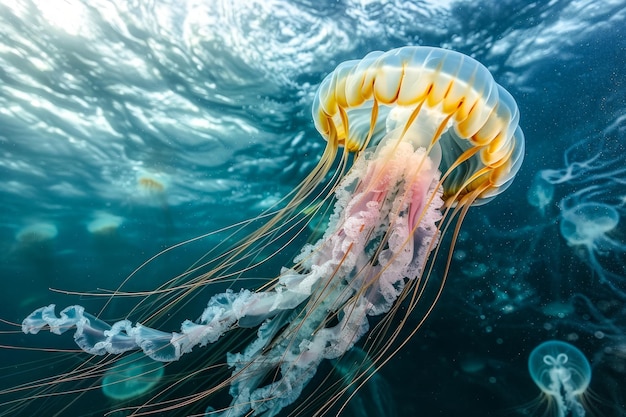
column 127, row 127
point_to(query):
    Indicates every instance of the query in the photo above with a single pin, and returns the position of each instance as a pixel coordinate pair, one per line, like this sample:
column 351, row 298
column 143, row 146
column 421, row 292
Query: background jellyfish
column 563, row 373
column 104, row 224
column 375, row 397
column 589, row 224
column 36, row 234
column 131, row 377
column 433, row 134
column 541, row 193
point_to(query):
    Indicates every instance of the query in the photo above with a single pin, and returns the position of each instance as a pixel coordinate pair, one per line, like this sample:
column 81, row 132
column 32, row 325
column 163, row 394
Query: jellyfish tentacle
column 338, row 285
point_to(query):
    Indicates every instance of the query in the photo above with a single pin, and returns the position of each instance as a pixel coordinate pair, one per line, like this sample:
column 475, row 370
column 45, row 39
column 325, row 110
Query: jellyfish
column 104, row 224
column 35, row 245
column 414, row 137
column 375, row 397
column 36, row 233
column 151, row 182
column 589, row 221
column 130, row 377
column 563, row 373
column 541, row 193
column 589, row 160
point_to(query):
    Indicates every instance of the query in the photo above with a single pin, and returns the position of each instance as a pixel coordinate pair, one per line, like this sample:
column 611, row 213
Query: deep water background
column 176, row 118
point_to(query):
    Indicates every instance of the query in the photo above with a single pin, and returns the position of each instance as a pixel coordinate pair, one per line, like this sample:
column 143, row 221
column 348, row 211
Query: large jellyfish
column 426, row 133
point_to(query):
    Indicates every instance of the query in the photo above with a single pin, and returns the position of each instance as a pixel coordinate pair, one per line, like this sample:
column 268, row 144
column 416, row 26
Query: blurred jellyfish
column 131, row 377
column 432, row 134
column 104, row 224
column 36, row 233
column 541, row 193
column 563, row 373
column 152, row 182
column 590, row 223
column 151, row 188
column 374, row 396
column 34, row 244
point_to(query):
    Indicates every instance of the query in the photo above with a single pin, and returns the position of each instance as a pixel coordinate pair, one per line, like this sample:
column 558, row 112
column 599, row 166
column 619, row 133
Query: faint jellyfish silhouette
column 151, row 188
column 563, row 373
column 151, row 182
column 131, row 377
column 369, row 393
column 541, row 193
column 588, row 222
column 580, row 168
column 35, row 245
column 36, row 234
column 104, row 224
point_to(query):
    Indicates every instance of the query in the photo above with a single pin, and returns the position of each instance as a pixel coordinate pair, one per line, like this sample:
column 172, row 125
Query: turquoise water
column 167, row 120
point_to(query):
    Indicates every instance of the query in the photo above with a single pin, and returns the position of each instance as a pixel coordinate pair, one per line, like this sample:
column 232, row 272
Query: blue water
column 171, row 119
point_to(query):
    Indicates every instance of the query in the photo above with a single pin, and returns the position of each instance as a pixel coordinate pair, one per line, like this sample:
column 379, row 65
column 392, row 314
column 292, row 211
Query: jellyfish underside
column 433, row 134
column 563, row 373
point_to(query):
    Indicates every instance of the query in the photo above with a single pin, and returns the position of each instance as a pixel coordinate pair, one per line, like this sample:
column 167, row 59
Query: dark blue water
column 168, row 120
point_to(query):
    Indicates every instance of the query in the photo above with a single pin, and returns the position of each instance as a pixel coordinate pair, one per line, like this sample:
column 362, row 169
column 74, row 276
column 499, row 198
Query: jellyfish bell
column 590, row 224
column 585, row 223
column 151, row 187
column 36, row 233
column 104, row 224
column 541, row 193
column 419, row 135
column 35, row 243
column 131, row 377
column 152, row 182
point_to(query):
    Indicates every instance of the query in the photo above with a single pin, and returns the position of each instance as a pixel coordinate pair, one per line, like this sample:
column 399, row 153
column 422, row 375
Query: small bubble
column 460, row 255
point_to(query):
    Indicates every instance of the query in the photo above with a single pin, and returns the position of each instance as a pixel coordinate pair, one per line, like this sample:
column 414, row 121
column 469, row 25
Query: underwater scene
column 349, row 208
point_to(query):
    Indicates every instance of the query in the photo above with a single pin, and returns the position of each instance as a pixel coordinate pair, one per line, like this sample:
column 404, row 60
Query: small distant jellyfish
column 131, row 377
column 589, row 223
column 541, row 193
column 151, row 188
column 35, row 242
column 104, row 224
column 36, row 233
column 563, row 373
column 151, row 183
